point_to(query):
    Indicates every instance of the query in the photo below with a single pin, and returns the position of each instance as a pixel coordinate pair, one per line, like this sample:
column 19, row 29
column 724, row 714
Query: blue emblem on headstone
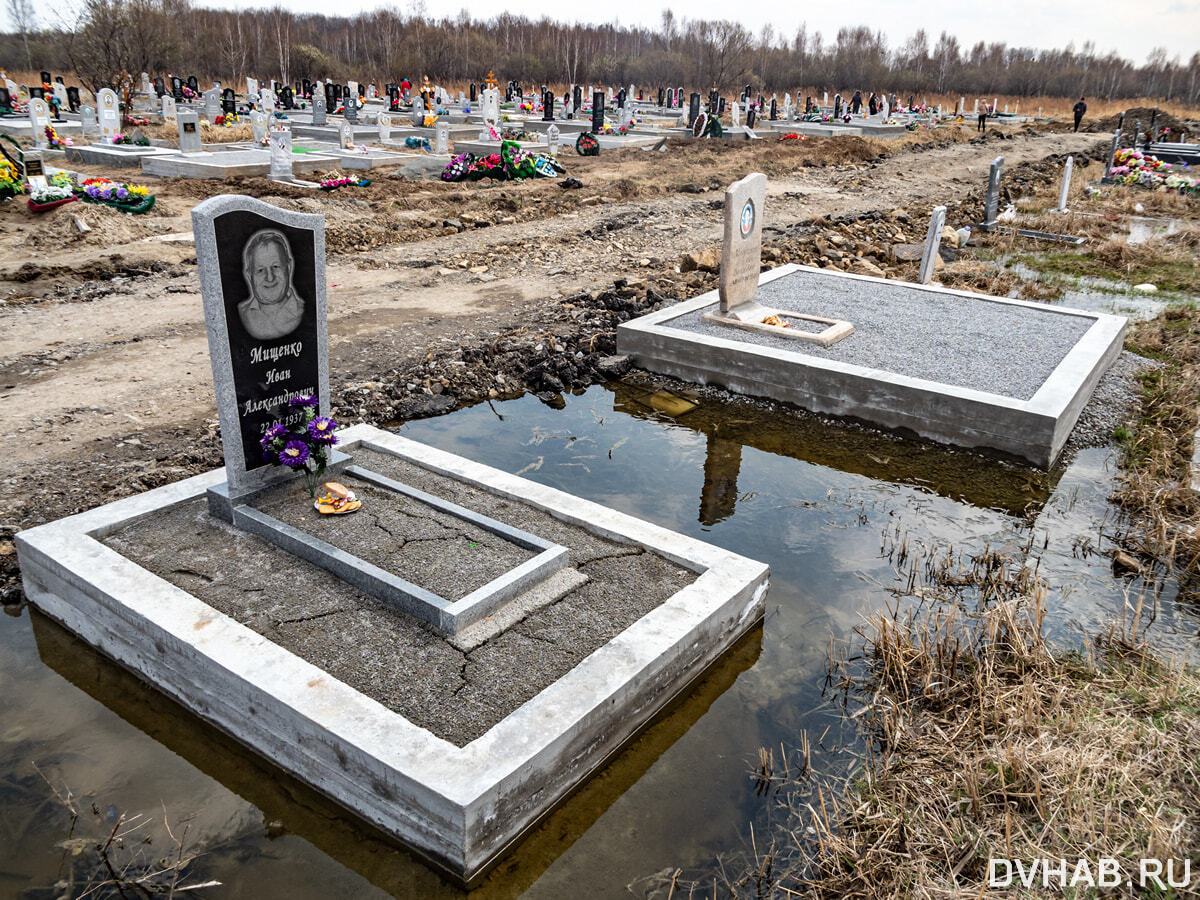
column 747, row 218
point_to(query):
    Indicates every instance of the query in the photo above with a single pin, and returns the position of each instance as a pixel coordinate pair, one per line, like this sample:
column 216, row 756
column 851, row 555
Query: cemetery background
column 414, row 274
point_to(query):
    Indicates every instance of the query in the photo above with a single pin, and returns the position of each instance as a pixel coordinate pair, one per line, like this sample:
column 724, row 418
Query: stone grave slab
column 120, row 156
column 953, row 366
column 226, row 163
column 372, row 158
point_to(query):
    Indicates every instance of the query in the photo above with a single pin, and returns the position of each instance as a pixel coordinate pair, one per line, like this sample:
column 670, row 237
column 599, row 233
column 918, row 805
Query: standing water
column 818, row 501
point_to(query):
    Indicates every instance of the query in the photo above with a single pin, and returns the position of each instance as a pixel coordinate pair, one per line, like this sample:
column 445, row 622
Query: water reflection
column 289, row 806
column 970, row 478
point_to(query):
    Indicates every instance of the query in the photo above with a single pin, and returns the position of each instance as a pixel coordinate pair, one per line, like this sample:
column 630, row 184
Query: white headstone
column 212, row 104
column 385, row 128
column 168, row 107
column 418, row 112
column 60, row 92
column 491, row 106
column 347, row 136
column 189, row 132
column 552, row 139
column 441, row 138
column 258, row 124
column 825, row 98
column 933, row 239
column 39, row 120
column 251, row 88
column 281, row 152
column 267, row 100
column 318, row 107
column 108, row 112
column 741, row 255
column 735, row 114
column 87, row 120
column 626, row 115
column 1065, row 188
column 147, row 87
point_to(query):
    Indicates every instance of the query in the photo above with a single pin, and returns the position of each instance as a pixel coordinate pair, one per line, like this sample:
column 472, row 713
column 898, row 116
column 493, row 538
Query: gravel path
column 993, row 347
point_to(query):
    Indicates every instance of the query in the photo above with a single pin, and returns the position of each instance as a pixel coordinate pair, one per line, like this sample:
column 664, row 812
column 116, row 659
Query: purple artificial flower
column 272, row 434
column 122, row 193
column 294, row 455
column 303, row 400
column 321, row 429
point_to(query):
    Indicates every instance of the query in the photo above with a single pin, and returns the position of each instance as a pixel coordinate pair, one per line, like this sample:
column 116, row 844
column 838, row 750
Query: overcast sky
column 1133, row 29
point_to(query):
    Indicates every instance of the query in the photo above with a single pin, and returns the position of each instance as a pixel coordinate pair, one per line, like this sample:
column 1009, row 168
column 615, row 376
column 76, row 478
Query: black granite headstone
column 774, row 110
column 287, row 98
column 597, row 111
column 46, row 79
column 721, row 106
column 73, row 98
column 228, row 102
column 177, row 88
column 661, row 96
column 577, row 98
column 751, row 116
column 548, row 106
column 5, row 99
column 38, row 92
column 693, row 108
column 194, row 83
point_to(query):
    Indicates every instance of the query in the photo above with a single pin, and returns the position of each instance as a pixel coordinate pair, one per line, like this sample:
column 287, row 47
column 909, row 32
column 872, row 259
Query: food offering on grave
column 336, row 500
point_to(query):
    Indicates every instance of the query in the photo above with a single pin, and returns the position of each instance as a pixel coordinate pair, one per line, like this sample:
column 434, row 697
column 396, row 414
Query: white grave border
column 461, row 806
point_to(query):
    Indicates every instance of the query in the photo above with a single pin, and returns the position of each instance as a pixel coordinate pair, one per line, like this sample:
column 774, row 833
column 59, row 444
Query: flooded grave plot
column 444, row 649
column 961, row 368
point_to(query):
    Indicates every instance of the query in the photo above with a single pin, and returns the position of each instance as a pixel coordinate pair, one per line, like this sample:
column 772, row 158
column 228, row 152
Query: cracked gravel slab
column 999, row 348
column 421, row 544
column 384, row 653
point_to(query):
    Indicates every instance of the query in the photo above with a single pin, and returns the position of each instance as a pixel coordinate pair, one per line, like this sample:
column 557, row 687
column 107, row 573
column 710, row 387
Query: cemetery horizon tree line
column 112, row 39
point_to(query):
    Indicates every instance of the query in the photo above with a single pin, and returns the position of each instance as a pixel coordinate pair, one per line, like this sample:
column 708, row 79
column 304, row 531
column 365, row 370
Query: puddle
column 816, row 500
column 1093, row 294
column 1142, row 229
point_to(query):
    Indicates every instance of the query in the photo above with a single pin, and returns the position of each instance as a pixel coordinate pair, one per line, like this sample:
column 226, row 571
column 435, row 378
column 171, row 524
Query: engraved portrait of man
column 273, row 309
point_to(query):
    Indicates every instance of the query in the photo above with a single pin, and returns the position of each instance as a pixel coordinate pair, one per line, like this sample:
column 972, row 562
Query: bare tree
column 23, row 18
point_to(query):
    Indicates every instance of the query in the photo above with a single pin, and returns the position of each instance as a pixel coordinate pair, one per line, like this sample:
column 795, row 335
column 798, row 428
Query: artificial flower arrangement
column 510, row 164
column 516, row 134
column 338, row 180
column 587, row 145
column 228, row 120
column 130, row 198
column 57, row 190
column 135, row 120
column 10, row 180
column 53, row 139
column 1143, row 170
column 417, row 143
column 608, row 129
column 304, row 447
column 430, row 120
column 139, row 141
column 188, row 93
column 792, row 137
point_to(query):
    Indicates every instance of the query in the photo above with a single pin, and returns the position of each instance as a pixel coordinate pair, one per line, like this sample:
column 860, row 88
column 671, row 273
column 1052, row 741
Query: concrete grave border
column 461, row 807
column 1034, row 429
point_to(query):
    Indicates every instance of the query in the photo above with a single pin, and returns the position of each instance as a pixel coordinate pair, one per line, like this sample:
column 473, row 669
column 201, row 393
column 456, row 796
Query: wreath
column 587, row 145
column 459, row 167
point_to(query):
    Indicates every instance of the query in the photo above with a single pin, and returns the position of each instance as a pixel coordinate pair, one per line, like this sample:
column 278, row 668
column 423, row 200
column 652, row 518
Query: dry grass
column 986, row 742
column 1155, row 492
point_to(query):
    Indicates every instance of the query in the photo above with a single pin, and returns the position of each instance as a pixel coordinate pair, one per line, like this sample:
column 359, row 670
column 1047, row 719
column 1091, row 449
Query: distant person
column 273, row 309
column 873, row 104
column 856, row 103
column 1079, row 109
column 981, row 126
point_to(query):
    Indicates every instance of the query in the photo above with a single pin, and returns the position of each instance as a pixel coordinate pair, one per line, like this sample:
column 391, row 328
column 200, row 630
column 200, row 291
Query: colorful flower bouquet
column 136, row 121
column 10, row 180
column 139, row 141
column 130, row 198
column 337, row 180
column 54, row 140
column 510, row 164
column 417, row 143
column 1143, row 170
column 305, row 446
column 792, row 137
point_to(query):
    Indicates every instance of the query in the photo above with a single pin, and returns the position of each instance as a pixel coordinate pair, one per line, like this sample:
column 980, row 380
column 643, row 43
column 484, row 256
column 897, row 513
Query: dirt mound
column 1141, row 115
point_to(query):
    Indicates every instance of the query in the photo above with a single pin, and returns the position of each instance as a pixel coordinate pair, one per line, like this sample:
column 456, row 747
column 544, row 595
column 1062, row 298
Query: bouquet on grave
column 587, row 145
column 793, row 136
column 517, row 134
column 130, row 198
column 303, row 447
column 417, row 143
column 134, row 120
column 53, row 139
column 458, row 167
column 337, row 180
column 10, row 180
column 57, row 190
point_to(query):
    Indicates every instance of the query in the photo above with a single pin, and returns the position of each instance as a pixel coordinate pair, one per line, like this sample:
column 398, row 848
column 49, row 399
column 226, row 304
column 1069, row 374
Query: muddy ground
column 438, row 295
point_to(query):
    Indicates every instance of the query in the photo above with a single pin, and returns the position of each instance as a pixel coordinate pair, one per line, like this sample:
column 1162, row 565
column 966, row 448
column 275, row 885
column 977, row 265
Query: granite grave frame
column 459, row 807
column 1034, row 430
